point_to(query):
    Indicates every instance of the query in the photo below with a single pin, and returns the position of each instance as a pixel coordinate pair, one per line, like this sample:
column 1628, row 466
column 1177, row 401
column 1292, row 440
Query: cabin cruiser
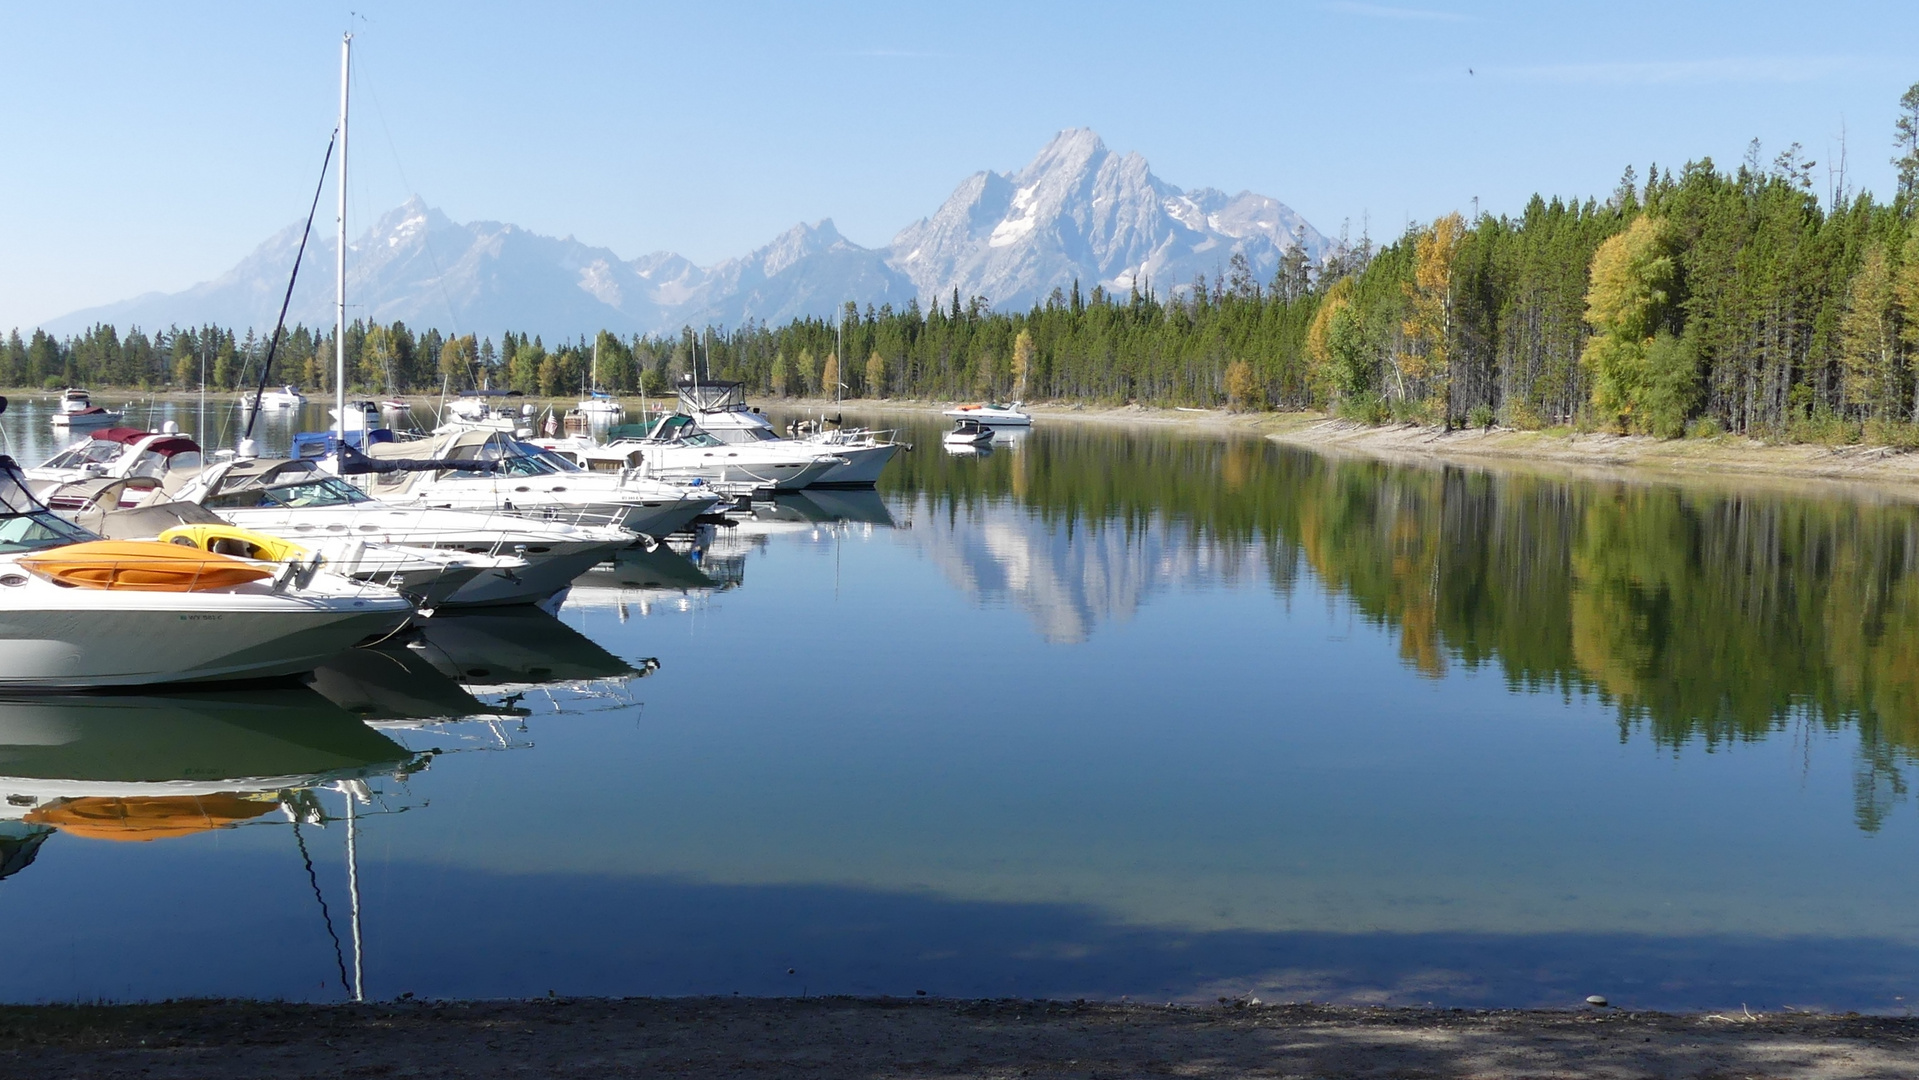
column 79, row 612
column 720, row 410
column 968, row 432
column 488, row 410
column 600, row 405
column 117, row 453
column 78, row 410
column 522, row 479
column 1006, row 415
column 675, row 449
column 286, row 397
column 514, row 560
column 361, row 416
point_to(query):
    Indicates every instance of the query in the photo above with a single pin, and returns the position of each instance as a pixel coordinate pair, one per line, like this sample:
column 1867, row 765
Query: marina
column 1320, row 728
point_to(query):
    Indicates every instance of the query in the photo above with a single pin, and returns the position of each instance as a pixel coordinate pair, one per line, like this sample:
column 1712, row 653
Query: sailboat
column 599, row 404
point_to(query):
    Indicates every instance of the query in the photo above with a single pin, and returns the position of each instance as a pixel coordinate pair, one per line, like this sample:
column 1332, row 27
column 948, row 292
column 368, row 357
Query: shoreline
column 931, row 1037
column 1886, row 470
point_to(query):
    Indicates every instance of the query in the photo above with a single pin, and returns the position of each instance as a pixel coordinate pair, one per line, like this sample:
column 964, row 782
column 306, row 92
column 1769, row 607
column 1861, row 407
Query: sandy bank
column 1720, row 457
column 833, row 1037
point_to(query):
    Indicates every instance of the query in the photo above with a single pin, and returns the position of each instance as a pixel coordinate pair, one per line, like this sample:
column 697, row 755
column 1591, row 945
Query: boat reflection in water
column 719, row 554
column 154, row 767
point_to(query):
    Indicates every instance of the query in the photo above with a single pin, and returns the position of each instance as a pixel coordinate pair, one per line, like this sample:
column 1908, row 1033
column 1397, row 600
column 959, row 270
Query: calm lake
column 1108, row 712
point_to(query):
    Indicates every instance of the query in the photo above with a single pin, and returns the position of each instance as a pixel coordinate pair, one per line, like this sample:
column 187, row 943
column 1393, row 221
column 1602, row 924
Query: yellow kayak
column 223, row 539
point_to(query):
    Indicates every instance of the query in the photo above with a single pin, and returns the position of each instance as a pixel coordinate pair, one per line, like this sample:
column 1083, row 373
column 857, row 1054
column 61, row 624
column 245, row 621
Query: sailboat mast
column 339, row 267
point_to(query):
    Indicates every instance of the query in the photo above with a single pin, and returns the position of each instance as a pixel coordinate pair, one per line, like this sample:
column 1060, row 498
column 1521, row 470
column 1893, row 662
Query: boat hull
column 863, row 465
column 137, row 644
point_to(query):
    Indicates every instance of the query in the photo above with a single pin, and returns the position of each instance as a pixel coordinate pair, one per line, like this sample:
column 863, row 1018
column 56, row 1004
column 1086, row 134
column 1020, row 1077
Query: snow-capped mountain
column 1080, row 211
column 1076, row 212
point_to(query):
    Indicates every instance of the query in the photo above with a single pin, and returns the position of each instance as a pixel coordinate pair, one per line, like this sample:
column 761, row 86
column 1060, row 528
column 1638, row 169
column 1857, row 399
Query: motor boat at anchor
column 78, row 410
column 286, row 397
column 505, row 411
column 512, row 559
column 600, row 405
column 116, row 453
column 675, row 449
column 968, row 433
column 719, row 409
column 514, row 477
column 80, row 612
column 1004, row 415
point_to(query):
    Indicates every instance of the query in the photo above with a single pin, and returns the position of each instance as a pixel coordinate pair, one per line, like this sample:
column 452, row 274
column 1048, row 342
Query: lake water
column 1109, row 712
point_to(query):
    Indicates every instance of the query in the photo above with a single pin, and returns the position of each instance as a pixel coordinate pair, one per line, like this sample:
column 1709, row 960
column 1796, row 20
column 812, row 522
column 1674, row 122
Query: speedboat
column 286, row 397
column 117, row 453
column 1008, row 415
column 80, row 612
column 514, row 560
column 719, row 408
column 514, row 477
column 674, row 449
column 78, row 410
column 968, row 432
column 487, row 410
column 601, row 405
column 361, row 416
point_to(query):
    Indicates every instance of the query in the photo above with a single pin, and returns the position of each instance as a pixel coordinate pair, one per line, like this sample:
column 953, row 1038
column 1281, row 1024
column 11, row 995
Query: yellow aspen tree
column 876, row 375
column 1429, row 327
column 1627, row 293
column 1867, row 340
column 830, row 375
column 1022, row 362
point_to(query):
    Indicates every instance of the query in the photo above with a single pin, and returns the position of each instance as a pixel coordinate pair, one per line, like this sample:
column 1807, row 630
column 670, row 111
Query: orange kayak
column 142, row 565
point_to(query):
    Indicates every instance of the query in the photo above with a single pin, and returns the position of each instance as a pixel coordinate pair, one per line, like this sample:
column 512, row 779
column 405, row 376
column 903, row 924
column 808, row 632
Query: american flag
column 552, row 424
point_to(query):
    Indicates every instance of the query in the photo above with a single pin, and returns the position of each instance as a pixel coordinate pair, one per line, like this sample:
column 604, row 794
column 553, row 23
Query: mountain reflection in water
column 1110, row 711
column 1701, row 613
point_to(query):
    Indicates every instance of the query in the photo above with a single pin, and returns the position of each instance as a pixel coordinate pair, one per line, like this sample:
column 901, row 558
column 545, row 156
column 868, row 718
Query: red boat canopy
column 165, row 447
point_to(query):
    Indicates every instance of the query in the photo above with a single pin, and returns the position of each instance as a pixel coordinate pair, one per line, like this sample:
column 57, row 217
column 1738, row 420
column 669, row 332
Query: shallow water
column 1107, row 712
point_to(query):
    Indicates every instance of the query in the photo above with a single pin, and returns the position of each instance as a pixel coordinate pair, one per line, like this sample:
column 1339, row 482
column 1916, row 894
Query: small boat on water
column 969, row 432
column 78, row 410
column 1007, row 415
column 286, row 397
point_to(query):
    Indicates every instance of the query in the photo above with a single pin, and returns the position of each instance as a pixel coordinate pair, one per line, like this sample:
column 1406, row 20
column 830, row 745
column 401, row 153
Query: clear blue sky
column 150, row 146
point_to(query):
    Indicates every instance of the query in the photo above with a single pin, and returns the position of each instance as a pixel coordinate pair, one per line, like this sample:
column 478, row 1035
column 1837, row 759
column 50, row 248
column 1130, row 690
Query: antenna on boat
column 339, row 266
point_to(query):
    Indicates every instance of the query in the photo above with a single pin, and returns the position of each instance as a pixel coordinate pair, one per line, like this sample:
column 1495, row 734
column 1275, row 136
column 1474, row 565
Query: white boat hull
column 151, row 638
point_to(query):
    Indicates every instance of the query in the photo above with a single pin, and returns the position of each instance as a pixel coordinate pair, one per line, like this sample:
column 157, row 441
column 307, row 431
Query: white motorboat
column 488, row 410
column 719, row 408
column 78, row 410
column 286, row 397
column 361, row 416
column 1007, row 415
column 968, row 432
column 117, row 453
column 515, row 560
column 601, row 405
column 517, row 478
column 79, row 612
column 674, row 449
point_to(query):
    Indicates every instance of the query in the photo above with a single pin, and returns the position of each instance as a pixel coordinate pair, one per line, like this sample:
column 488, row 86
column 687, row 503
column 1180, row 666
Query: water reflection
column 155, row 767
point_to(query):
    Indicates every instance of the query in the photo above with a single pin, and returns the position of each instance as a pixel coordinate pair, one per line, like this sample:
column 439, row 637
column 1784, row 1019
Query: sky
column 148, row 147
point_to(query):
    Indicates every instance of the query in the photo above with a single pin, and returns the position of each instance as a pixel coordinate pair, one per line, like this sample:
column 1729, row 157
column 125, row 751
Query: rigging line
column 339, row 953
column 426, row 235
column 266, row 368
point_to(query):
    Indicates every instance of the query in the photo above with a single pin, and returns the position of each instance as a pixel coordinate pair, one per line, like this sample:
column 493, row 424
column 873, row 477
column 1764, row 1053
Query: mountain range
column 1076, row 212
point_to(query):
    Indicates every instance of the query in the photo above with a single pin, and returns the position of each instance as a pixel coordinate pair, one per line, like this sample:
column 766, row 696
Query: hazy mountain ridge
column 1076, row 212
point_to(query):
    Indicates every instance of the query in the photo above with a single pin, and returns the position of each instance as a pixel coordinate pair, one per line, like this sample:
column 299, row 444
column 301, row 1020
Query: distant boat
column 969, row 432
column 78, row 410
column 286, row 397
column 1007, row 415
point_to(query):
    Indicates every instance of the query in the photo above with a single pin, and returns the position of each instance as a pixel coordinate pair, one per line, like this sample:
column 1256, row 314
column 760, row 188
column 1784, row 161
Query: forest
column 1696, row 300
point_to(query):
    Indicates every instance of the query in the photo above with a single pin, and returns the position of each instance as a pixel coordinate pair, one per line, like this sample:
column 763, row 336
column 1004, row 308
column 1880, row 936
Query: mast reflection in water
column 1149, row 712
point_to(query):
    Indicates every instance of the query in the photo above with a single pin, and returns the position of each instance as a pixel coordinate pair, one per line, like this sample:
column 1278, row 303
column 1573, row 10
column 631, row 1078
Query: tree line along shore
column 1698, row 301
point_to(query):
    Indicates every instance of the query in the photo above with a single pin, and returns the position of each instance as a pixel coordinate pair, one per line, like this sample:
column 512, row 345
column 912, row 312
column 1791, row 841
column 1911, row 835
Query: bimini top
column 492, row 393
column 710, row 395
column 166, row 446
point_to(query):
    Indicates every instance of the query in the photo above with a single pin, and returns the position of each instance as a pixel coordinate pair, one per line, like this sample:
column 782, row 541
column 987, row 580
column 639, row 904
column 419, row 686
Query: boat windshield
column 553, row 460
column 82, row 454
column 38, row 529
column 306, row 492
